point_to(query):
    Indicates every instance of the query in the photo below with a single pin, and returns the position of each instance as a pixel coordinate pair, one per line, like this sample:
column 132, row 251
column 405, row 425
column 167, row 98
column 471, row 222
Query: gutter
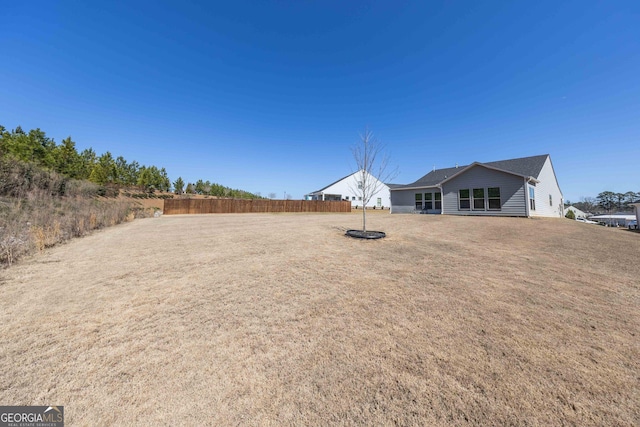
column 416, row 188
column 526, row 198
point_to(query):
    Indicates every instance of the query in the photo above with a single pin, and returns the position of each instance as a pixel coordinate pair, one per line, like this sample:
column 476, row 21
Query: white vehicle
column 586, row 221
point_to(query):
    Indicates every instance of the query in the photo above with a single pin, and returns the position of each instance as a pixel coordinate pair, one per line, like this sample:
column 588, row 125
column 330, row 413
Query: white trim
column 489, row 208
column 473, row 200
column 422, row 187
column 468, row 199
column 535, row 197
column 526, row 198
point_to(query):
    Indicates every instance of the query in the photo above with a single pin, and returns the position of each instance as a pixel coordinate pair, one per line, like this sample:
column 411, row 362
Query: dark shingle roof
column 525, row 166
column 435, row 177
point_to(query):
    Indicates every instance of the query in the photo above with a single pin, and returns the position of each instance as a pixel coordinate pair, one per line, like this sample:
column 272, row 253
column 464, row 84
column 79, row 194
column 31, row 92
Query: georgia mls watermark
column 31, row 416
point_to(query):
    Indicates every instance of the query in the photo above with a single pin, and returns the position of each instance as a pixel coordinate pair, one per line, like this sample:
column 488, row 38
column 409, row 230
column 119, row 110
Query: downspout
column 526, row 197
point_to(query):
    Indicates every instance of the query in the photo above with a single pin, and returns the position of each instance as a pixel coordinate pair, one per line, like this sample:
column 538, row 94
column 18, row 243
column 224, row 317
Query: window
column 438, row 198
column 353, row 197
column 532, row 198
column 359, row 197
column 463, row 200
column 428, row 203
column 419, row 201
column 478, row 199
column 359, row 185
column 493, row 194
column 550, row 200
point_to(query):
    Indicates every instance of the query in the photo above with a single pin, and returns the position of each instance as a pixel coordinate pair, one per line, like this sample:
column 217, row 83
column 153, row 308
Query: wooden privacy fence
column 207, row 206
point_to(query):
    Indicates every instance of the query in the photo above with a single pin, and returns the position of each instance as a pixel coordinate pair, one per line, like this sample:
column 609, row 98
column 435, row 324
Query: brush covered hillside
column 52, row 192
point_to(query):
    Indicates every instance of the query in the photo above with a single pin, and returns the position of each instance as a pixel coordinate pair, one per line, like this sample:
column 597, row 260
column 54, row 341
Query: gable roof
column 436, row 176
column 524, row 166
column 343, row 178
column 333, row 183
column 394, row 185
column 575, row 210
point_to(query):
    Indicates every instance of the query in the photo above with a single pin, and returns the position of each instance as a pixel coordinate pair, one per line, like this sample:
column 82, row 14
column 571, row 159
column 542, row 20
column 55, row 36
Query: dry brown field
column 279, row 319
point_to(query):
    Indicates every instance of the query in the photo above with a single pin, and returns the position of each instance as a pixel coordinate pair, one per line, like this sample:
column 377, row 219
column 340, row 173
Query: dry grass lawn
column 259, row 319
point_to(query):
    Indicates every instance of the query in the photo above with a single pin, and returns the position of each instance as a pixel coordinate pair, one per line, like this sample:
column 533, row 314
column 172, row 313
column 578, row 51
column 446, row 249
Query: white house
column 516, row 187
column 636, row 206
column 577, row 212
column 349, row 188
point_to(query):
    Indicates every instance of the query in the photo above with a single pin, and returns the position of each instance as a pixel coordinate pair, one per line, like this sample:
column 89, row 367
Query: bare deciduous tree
column 372, row 164
column 588, row 204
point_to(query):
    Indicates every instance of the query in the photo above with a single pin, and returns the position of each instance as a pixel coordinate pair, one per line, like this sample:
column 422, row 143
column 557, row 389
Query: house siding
column 347, row 189
column 577, row 212
column 548, row 185
column 512, row 192
column 517, row 179
column 404, row 201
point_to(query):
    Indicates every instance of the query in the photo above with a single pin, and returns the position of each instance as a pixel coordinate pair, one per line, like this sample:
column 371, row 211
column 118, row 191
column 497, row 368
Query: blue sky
column 269, row 96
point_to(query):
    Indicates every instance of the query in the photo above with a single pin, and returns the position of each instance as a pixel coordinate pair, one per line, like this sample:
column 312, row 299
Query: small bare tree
column 372, row 163
column 589, row 204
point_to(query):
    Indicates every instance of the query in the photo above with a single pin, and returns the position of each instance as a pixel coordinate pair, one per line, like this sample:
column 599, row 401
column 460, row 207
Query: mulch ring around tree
column 359, row 234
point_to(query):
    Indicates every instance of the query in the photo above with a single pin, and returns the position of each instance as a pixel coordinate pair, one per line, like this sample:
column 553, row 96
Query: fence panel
column 207, row 206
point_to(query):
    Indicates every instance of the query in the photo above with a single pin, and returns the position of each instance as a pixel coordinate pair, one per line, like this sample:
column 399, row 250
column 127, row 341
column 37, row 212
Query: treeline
column 37, row 148
column 211, row 189
column 607, row 201
column 48, row 191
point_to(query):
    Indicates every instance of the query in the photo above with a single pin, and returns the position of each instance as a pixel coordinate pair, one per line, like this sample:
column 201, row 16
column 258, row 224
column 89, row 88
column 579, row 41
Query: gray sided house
column 524, row 187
